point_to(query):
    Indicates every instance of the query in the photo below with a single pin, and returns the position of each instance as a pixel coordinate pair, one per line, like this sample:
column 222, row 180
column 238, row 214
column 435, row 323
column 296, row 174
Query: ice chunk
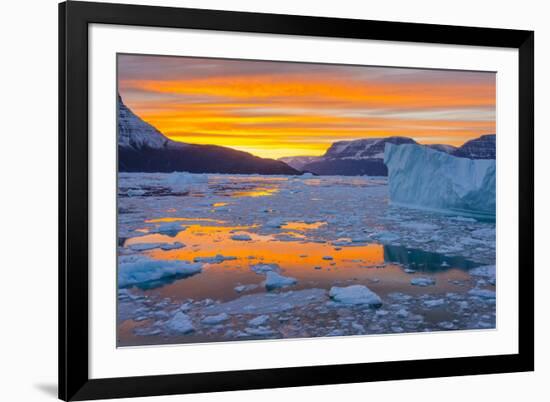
column 183, row 181
column 421, row 281
column 434, row 303
column 245, row 288
column 180, row 323
column 215, row 319
column 217, row 259
column 241, row 237
column 264, row 268
column 144, row 246
column 422, row 177
column 257, row 321
column 386, row 237
column 172, row 246
column 486, row 271
column 355, row 294
column 170, row 228
column 273, row 280
column 152, row 246
column 261, row 331
column 137, row 269
column 483, row 293
column 135, row 192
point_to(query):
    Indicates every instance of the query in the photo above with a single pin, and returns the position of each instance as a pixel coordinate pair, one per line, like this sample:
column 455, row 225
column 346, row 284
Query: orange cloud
column 275, row 115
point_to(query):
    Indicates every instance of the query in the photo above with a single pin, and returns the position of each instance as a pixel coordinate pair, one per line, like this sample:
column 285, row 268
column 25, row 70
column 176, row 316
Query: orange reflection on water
column 313, row 264
column 178, row 219
column 256, row 192
column 302, row 226
column 206, row 241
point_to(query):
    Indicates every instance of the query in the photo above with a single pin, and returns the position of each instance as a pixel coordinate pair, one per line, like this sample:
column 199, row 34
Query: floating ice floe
column 135, row 192
column 273, row 280
column 434, row 303
column 216, row 259
column 422, row 281
column 262, row 269
column 241, row 237
column 419, row 226
column 144, row 246
column 152, row 246
column 245, row 288
column 426, row 178
column 180, row 323
column 169, row 228
column 215, row 319
column 133, row 270
column 257, row 321
column 355, row 294
column 483, row 293
column 486, row 271
column 267, row 303
column 172, row 246
column 261, row 331
column 386, row 237
column 183, row 181
column 275, row 223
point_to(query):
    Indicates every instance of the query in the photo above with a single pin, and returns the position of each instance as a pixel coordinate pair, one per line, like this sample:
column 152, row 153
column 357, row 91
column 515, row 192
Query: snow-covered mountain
column 367, row 148
column 365, row 156
column 136, row 134
column 483, row 147
column 353, row 158
column 298, row 162
column 142, row 148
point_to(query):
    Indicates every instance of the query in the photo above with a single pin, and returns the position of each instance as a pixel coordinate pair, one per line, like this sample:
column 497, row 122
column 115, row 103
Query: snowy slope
column 422, row 177
column 483, row 147
column 142, row 148
column 357, row 157
column 367, row 148
column 134, row 133
column 298, row 162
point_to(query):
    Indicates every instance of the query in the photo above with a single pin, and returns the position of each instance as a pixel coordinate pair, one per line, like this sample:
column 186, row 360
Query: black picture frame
column 74, row 19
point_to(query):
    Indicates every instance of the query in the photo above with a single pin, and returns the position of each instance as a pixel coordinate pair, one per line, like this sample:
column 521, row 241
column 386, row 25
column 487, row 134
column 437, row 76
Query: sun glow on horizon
column 276, row 109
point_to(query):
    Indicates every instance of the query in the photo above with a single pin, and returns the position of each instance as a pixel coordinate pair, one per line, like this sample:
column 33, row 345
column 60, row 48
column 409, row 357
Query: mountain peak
column 483, row 147
column 365, row 148
column 135, row 133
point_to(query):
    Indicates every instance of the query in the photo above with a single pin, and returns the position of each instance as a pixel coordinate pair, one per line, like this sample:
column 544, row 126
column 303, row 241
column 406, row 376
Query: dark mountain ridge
column 142, row 148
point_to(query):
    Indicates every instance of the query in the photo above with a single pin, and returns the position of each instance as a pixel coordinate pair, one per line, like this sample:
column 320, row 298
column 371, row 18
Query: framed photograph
column 257, row 200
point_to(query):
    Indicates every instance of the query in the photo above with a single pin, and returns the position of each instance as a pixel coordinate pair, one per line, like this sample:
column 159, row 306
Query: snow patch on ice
column 180, row 323
column 422, row 281
column 217, row 259
column 215, row 319
column 355, row 294
column 273, row 280
column 241, row 237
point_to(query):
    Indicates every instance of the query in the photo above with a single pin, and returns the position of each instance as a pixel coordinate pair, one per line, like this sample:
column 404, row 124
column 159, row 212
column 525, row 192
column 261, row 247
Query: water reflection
column 313, row 264
column 425, row 261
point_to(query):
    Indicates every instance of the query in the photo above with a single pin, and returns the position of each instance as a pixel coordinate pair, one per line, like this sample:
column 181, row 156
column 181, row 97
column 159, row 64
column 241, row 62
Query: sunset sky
column 275, row 109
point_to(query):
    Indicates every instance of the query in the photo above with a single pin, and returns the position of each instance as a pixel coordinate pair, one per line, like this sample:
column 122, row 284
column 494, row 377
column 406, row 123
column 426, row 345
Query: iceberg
column 419, row 176
column 135, row 270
